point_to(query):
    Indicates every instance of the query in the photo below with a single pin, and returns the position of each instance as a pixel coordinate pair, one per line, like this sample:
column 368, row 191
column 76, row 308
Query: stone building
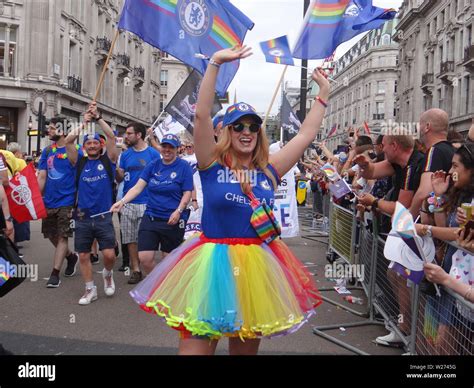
column 52, row 53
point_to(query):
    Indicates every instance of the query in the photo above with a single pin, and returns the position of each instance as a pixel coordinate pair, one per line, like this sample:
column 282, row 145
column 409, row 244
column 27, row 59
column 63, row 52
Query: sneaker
column 391, row 339
column 109, row 285
column 94, row 259
column 135, row 277
column 124, row 268
column 72, row 260
column 53, row 281
column 89, row 296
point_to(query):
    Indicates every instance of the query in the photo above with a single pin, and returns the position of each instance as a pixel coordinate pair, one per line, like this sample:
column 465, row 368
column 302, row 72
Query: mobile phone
column 468, row 227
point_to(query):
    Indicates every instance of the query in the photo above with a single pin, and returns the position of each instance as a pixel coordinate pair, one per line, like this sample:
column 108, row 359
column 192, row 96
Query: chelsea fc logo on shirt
column 194, row 16
column 100, row 167
column 173, row 175
column 265, row 185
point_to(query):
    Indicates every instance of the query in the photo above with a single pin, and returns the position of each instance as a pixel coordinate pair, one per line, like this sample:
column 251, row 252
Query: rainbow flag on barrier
column 183, row 28
column 277, row 51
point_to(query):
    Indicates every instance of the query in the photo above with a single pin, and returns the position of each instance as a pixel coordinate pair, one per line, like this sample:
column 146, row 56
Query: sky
column 256, row 80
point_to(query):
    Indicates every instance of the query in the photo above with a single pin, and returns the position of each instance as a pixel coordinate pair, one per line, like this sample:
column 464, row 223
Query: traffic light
column 43, row 125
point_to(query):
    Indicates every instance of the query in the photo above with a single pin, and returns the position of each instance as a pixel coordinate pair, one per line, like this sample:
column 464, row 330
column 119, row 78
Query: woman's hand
column 117, row 206
column 435, row 274
column 320, row 77
column 461, row 217
column 466, row 240
column 440, row 182
column 232, row 54
column 174, row 218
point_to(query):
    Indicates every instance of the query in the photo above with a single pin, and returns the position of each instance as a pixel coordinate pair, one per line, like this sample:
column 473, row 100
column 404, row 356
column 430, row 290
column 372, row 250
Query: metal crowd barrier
column 426, row 325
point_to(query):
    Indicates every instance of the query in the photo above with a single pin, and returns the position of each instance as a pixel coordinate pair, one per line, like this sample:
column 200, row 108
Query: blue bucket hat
column 236, row 111
column 171, row 139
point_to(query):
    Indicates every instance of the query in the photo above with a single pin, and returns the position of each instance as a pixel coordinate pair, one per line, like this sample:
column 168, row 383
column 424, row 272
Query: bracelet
column 124, row 203
column 466, row 296
column 194, row 200
column 436, row 204
column 214, row 63
column 98, row 118
column 321, row 101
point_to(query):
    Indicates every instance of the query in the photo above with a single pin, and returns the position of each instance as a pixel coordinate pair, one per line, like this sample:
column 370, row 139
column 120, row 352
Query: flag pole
column 106, row 65
column 274, row 96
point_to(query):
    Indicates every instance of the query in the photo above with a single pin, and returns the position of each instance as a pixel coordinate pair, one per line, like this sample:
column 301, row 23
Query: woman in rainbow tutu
column 237, row 279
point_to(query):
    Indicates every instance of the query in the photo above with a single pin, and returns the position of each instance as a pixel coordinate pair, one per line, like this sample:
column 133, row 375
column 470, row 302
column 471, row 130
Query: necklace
column 63, row 155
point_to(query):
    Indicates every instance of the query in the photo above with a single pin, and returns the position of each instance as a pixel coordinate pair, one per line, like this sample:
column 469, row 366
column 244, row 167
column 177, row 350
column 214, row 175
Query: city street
column 36, row 320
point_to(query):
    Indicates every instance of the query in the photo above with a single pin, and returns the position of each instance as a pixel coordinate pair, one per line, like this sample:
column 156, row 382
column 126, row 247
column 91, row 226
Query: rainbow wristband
column 321, row 101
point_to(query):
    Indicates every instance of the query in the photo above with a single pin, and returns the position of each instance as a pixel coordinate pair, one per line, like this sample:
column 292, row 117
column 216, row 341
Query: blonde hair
column 226, row 156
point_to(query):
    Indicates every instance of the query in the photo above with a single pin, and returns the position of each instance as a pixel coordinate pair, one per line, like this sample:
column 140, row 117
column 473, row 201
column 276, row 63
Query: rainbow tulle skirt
column 230, row 287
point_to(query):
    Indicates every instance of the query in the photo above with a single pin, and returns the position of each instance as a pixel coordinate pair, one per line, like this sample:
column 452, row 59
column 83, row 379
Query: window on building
column 395, row 88
column 380, row 107
column 162, row 102
column 467, row 94
column 164, row 78
column 381, row 87
column 7, row 51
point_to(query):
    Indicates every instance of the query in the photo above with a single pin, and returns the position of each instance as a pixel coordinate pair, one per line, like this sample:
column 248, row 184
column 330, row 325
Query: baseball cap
column 172, row 140
column 236, row 111
column 217, row 119
column 91, row 136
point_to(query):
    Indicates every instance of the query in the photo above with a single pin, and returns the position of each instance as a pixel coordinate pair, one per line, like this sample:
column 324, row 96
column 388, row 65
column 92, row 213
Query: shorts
column 89, row 229
column 57, row 223
column 131, row 217
column 155, row 233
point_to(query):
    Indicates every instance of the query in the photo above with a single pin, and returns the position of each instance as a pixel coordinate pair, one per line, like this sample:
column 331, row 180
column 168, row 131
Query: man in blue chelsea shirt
column 95, row 175
column 132, row 163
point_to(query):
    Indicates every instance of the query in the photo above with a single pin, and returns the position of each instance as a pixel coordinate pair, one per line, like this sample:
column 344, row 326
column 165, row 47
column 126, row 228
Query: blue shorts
column 89, row 229
column 155, row 233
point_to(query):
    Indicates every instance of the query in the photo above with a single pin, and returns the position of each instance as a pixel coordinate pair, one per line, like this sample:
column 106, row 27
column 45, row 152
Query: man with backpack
column 56, row 182
column 94, row 197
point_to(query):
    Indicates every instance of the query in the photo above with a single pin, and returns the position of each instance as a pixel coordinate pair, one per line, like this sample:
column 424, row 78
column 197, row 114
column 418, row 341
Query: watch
column 179, row 210
column 9, row 218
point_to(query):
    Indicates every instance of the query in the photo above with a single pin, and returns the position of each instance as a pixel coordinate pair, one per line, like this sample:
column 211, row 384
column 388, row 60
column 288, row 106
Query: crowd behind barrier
column 427, row 324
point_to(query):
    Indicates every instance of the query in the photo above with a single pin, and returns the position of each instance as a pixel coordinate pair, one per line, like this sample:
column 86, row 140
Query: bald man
column 439, row 154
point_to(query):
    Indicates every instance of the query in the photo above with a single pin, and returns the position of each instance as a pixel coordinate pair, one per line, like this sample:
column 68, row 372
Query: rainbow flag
column 328, row 23
column 4, row 273
column 277, row 51
column 327, row 13
column 186, row 28
column 168, row 7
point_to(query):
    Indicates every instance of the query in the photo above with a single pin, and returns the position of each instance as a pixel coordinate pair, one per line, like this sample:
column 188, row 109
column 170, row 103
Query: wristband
column 321, row 101
column 194, row 200
column 214, row 63
column 375, row 204
column 179, row 210
column 436, row 204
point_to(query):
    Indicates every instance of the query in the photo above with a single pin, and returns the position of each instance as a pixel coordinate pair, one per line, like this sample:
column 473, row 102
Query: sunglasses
column 188, row 147
column 239, row 127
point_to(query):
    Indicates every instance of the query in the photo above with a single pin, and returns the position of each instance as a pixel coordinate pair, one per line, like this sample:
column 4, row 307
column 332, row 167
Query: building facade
column 52, row 53
column 436, row 60
column 366, row 85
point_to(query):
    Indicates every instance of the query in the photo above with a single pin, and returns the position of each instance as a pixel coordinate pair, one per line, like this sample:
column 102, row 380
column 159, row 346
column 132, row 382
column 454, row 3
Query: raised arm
column 71, row 150
column 110, row 144
column 204, row 144
column 285, row 159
